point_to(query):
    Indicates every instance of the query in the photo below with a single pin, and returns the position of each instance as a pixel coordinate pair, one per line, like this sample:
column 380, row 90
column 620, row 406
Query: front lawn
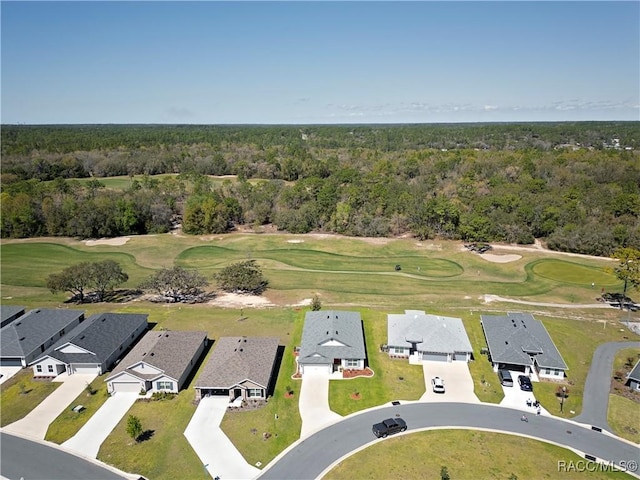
column 466, row 455
column 624, row 418
column 69, row 422
column 21, row 394
column 166, row 453
column 394, row 379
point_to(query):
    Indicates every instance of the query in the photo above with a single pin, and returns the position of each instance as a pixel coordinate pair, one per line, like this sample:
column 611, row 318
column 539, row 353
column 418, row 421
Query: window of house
column 39, row 368
column 547, row 371
column 164, row 385
column 50, row 368
column 398, row 350
column 254, row 392
column 349, row 362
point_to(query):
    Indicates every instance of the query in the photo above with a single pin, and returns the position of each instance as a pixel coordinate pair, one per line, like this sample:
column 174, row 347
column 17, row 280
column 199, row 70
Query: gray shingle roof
column 166, row 350
column 431, row 333
column 635, row 373
column 331, row 334
column 101, row 334
column 510, row 337
column 9, row 312
column 25, row 335
column 236, row 359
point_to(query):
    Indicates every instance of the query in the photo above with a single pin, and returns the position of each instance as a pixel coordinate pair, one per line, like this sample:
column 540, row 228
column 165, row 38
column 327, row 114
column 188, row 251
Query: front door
column 237, row 392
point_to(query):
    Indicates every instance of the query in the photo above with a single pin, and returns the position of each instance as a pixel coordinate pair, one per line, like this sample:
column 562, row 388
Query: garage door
column 311, row 369
column 460, row 356
column 126, row 387
column 10, row 362
column 435, row 357
column 84, row 369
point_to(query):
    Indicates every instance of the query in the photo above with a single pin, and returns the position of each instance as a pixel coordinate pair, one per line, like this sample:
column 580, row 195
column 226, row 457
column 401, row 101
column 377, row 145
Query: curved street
column 595, row 400
column 22, row 458
column 310, row 458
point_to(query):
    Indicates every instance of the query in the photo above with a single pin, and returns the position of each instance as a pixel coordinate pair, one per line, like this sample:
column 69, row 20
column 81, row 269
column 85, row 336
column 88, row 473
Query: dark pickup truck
column 389, row 426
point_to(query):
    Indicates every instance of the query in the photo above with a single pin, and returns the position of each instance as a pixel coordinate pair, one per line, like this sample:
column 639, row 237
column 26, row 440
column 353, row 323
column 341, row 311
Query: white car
column 438, row 384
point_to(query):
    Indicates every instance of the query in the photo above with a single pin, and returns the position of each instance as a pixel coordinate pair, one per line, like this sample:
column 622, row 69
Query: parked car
column 525, row 383
column 505, row 377
column 438, row 384
column 389, row 426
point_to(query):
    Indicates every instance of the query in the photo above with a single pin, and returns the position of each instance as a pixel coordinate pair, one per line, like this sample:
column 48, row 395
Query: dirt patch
column 235, row 300
column 491, row 257
column 116, row 242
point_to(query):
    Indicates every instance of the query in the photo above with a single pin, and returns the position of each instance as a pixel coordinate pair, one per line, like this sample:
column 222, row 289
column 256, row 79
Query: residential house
column 92, row 347
column 331, row 341
column 8, row 313
column 30, row 335
column 633, row 379
column 239, row 368
column 427, row 337
column 160, row 362
column 519, row 342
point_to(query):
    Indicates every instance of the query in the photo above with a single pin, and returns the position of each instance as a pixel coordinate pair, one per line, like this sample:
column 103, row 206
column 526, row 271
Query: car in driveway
column 505, row 377
column 437, row 384
column 389, row 427
column 525, row 383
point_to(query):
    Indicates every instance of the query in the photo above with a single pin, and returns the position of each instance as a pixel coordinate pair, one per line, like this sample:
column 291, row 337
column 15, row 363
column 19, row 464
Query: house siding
column 48, row 367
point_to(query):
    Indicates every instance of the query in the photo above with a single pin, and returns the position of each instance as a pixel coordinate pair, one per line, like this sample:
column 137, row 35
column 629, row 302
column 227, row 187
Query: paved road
column 309, row 458
column 23, row 458
column 595, row 400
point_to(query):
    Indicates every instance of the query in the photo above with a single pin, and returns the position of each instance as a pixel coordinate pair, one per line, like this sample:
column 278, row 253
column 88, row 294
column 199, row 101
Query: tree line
column 578, row 199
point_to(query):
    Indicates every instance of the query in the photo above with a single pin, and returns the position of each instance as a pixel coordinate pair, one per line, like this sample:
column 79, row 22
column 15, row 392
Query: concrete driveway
column 89, row 438
column 458, row 383
column 314, row 403
column 36, row 423
column 213, row 447
column 516, row 398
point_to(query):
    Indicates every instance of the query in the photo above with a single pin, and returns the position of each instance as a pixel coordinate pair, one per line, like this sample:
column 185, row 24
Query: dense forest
column 577, row 185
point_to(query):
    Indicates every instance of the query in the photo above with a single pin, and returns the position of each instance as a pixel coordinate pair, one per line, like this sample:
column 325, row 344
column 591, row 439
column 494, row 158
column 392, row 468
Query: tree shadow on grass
column 146, row 435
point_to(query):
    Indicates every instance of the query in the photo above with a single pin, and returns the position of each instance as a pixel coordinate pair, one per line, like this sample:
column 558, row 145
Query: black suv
column 388, row 427
column 525, row 383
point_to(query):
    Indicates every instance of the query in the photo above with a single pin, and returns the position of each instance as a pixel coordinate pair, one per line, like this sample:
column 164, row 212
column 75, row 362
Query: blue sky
column 319, row 62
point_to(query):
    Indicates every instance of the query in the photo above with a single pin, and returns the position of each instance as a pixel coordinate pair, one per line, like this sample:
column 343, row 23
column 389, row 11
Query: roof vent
column 82, row 337
column 144, row 354
column 18, row 324
column 103, row 319
column 336, row 332
column 336, row 317
column 166, row 335
column 245, row 340
column 240, row 349
column 22, row 339
column 151, row 354
column 506, row 342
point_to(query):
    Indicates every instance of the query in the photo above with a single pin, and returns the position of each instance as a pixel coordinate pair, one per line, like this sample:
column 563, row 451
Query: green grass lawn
column 467, row 455
column 166, row 454
column 21, row 394
column 623, row 416
column 347, row 274
column 69, row 422
column 394, row 379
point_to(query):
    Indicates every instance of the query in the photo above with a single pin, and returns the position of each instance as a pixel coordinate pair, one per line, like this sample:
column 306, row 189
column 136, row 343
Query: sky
column 295, row 62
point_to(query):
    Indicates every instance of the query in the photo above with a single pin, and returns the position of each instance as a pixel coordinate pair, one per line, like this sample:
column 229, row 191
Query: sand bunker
column 295, row 241
column 234, row 300
column 108, row 241
column 491, row 257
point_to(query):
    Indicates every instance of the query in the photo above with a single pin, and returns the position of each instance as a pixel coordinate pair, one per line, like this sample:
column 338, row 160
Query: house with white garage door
column 240, row 368
column 427, row 337
column 28, row 336
column 160, row 362
column 332, row 341
column 518, row 341
column 93, row 346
